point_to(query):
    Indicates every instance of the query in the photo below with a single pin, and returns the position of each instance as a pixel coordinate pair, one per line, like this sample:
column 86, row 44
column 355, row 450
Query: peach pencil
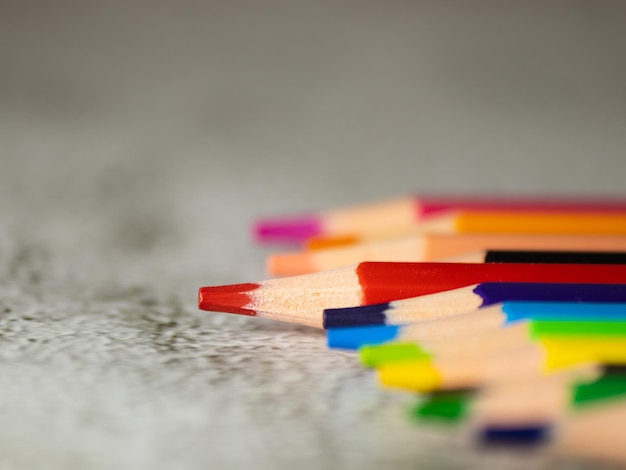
column 467, row 248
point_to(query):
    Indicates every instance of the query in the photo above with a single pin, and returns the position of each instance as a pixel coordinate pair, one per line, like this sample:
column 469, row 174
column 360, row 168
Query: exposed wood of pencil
column 528, row 402
column 475, row 343
column 479, row 322
column 524, row 362
column 596, row 433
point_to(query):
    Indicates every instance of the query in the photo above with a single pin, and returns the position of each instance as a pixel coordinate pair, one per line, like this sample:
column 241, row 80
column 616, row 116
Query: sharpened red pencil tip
column 228, row 299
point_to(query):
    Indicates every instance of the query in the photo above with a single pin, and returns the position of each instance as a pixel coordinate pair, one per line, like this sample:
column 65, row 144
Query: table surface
column 139, row 139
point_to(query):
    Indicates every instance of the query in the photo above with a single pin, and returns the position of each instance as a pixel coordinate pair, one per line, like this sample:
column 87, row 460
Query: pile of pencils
column 508, row 314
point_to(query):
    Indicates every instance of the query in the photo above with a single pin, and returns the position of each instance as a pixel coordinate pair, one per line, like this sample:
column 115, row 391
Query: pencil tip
column 355, row 316
column 290, row 264
column 296, row 229
column 229, row 299
column 329, row 242
column 523, row 435
column 355, row 337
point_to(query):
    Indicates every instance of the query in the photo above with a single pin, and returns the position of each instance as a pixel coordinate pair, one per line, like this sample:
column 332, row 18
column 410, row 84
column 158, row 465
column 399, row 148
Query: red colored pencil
column 302, row 299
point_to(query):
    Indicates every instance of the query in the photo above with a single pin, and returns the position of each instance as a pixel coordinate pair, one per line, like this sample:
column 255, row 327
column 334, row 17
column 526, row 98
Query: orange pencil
column 495, row 222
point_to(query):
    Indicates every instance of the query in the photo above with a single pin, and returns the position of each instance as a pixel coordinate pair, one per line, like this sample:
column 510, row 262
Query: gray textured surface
column 138, row 140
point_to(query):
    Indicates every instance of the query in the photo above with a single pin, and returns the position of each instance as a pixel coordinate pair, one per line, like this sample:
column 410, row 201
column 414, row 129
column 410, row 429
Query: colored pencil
column 543, row 256
column 593, row 433
column 489, row 320
column 521, row 363
column 480, row 343
column 302, row 299
column 425, row 376
column 483, row 320
column 525, row 403
column 538, row 323
column 497, row 222
column 472, row 345
column 399, row 215
column 541, row 401
column 590, row 249
column 467, row 299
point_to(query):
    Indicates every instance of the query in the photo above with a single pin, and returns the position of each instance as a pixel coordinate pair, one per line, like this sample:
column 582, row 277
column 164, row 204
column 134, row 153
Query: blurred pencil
column 594, row 433
column 495, row 222
column 522, row 363
column 399, row 215
column 472, row 248
column 426, row 376
column 477, row 343
column 472, row 344
column 541, row 400
column 545, row 400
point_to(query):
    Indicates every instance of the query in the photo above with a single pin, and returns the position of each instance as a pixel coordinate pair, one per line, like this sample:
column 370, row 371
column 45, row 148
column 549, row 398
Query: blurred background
column 138, row 139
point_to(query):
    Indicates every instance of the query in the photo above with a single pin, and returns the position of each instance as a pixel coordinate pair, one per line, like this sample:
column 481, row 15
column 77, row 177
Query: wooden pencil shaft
column 478, row 343
column 596, row 433
column 478, row 322
column 539, row 400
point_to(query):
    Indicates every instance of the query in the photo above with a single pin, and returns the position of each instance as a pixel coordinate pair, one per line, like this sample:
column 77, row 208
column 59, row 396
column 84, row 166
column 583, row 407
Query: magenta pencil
column 400, row 215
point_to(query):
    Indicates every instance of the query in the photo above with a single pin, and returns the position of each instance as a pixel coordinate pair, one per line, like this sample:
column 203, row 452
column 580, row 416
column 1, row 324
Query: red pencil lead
column 229, row 299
